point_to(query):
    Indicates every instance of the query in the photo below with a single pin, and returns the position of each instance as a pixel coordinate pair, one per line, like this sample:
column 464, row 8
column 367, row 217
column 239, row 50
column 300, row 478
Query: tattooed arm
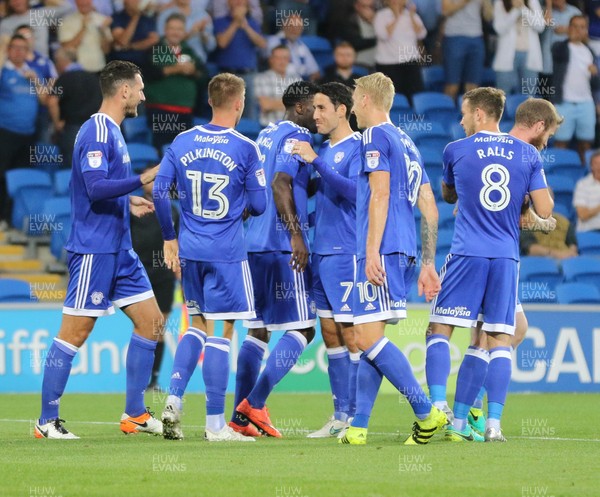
column 429, row 282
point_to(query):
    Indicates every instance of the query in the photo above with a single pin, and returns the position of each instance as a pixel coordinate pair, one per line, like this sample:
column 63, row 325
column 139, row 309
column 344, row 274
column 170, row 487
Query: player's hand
column 305, row 151
column 149, row 175
column 429, row 282
column 171, row 254
column 374, row 269
column 139, row 206
column 299, row 258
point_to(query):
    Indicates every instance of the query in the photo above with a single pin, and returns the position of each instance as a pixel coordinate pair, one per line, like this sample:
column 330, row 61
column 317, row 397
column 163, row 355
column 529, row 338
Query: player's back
column 101, row 226
column 335, row 215
column 492, row 172
column 384, row 149
column 211, row 166
column 267, row 233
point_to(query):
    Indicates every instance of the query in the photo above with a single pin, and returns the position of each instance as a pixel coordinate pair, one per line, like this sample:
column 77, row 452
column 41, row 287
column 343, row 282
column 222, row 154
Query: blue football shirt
column 492, row 172
column 267, row 233
column 335, row 215
column 101, row 227
column 387, row 148
column 213, row 167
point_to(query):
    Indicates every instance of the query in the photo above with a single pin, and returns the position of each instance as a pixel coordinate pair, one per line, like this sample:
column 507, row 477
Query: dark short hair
column 176, row 16
column 490, row 100
column 279, row 47
column 344, row 44
column 339, row 94
column 298, row 92
column 115, row 73
column 17, row 37
column 23, row 26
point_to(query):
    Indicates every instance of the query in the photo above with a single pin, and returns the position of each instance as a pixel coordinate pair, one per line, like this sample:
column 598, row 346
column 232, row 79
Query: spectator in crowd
column 557, row 14
column 88, row 32
column 518, row 58
column 270, row 85
column 134, row 32
column 430, row 12
column 238, row 40
column 575, row 80
column 360, row 32
column 75, row 97
column 343, row 69
column 19, row 14
column 46, row 72
column 198, row 25
column 561, row 243
column 147, row 241
column 463, row 45
column 172, row 73
column 303, row 60
column 20, row 98
column 219, row 8
column 312, row 11
column 586, row 198
column 398, row 29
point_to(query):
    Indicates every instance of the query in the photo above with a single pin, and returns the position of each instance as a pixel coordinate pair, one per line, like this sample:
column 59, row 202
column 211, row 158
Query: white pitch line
column 297, row 431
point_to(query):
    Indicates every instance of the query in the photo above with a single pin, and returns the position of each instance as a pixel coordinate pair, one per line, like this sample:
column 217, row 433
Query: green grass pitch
column 553, row 450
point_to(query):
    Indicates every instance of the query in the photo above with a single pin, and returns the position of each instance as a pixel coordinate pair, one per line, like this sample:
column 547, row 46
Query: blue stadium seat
column 28, row 188
column 249, row 128
column 582, row 269
column 212, row 69
column 428, row 134
column 536, row 292
column 62, row 179
column 456, row 131
column 562, row 161
column 14, row 291
column 563, row 187
column 489, row 77
column 360, row 70
column 436, row 106
column 512, row 102
column 431, row 156
column 320, row 48
column 400, row 103
column 136, row 129
column 588, row 156
column 199, row 121
column 577, row 293
column 565, row 210
column 47, row 157
column 433, row 78
column 540, row 270
column 506, row 125
column 588, row 242
column 60, row 210
column 142, row 155
column 446, row 212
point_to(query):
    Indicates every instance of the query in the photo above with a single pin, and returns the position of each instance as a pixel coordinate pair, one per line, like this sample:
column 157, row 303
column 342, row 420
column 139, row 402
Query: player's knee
column 309, row 334
column 520, row 330
column 261, row 334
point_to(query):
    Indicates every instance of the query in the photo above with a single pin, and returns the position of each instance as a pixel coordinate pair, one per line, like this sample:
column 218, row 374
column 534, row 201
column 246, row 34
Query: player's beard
column 131, row 111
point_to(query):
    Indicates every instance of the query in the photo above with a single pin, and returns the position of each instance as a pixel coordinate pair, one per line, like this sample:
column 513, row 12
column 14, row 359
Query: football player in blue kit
column 391, row 182
column 490, row 173
column 278, row 255
column 334, row 248
column 103, row 268
column 218, row 173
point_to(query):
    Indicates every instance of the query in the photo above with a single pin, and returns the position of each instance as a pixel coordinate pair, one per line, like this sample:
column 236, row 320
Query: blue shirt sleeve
column 256, row 183
column 286, row 162
column 447, row 161
column 160, row 195
column 537, row 180
column 344, row 186
column 376, row 151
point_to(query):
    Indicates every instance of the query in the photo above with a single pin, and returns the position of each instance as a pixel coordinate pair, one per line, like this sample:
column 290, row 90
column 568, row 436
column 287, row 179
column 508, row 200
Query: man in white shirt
column 303, row 60
column 575, row 79
column 270, row 85
column 586, row 198
column 87, row 32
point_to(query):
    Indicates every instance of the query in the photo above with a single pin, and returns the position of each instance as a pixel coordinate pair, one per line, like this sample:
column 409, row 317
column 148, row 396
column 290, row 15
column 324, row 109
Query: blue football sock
column 215, row 371
column 470, row 380
column 339, row 363
column 282, row 358
column 249, row 360
column 140, row 358
column 437, row 367
column 478, row 404
column 352, row 374
column 390, row 360
column 368, row 381
column 497, row 380
column 186, row 359
column 57, row 368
